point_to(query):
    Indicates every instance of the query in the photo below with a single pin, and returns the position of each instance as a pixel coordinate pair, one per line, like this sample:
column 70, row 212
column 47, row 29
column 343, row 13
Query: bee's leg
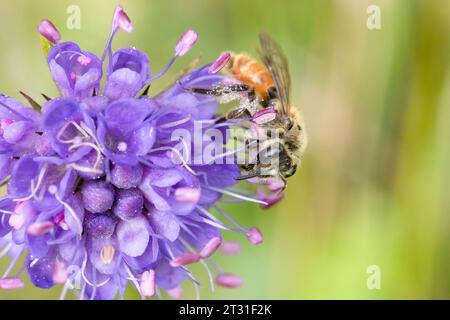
column 220, row 90
column 247, row 176
column 240, row 112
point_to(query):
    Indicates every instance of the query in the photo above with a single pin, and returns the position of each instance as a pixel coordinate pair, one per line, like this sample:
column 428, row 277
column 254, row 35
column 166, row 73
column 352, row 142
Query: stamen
column 230, row 248
column 187, row 258
column 220, row 62
column 107, row 254
column 188, row 195
column 58, row 220
column 175, row 123
column 11, row 283
column 97, row 159
column 64, row 290
column 179, row 155
column 210, row 276
column 83, row 270
column 271, row 198
column 230, row 218
column 186, row 42
column 6, row 249
column 213, row 221
column 54, row 190
column 40, row 227
column 175, row 293
column 148, row 283
column 89, row 132
column 34, row 188
column 229, row 280
column 16, row 221
column 210, row 247
column 121, row 20
column 49, row 31
column 122, row 146
column 255, row 236
column 264, row 115
column 6, row 211
column 236, row 195
column 76, row 138
column 84, row 60
column 133, row 280
column 59, row 274
column 13, row 263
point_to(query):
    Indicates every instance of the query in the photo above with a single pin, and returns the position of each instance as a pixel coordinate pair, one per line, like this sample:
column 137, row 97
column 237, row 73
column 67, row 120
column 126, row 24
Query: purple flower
column 99, row 197
column 76, row 73
column 127, row 73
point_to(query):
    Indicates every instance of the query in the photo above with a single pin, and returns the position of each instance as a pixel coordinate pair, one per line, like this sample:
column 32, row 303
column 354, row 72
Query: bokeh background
column 375, row 181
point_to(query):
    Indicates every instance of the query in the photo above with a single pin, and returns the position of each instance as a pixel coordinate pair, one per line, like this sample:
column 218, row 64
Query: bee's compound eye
column 290, row 171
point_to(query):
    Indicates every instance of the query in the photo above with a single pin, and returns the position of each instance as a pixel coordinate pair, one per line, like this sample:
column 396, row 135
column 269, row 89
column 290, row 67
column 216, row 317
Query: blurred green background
column 373, row 188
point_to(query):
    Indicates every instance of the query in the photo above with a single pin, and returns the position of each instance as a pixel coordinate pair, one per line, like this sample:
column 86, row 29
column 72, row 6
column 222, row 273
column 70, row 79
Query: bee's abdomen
column 251, row 72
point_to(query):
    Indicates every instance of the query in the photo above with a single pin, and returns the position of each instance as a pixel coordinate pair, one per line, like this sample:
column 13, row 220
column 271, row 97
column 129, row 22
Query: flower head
column 98, row 192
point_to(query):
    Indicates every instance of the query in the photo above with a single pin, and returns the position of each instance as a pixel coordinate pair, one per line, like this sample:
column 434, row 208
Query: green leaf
column 46, row 45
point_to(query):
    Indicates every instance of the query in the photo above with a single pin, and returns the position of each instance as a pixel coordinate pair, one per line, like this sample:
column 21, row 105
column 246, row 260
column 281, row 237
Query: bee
column 268, row 83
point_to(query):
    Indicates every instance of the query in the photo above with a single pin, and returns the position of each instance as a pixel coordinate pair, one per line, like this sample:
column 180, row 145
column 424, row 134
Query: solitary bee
column 266, row 82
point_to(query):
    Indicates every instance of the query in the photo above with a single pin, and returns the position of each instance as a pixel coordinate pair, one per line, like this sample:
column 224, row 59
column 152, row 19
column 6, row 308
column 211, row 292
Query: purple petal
column 165, row 224
column 12, row 109
column 23, row 172
column 123, row 83
column 37, row 245
column 125, row 177
column 104, row 254
column 18, row 131
column 167, row 277
column 41, row 272
column 126, row 115
column 133, row 236
column 127, row 73
column 146, row 260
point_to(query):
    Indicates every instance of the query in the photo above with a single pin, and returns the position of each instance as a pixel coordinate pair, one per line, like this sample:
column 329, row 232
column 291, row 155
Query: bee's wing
column 276, row 62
